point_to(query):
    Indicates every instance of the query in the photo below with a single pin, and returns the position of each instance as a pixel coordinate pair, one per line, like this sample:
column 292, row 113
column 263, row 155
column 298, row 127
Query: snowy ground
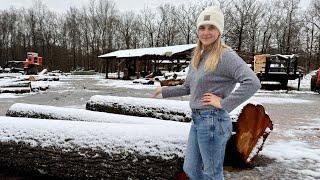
column 292, row 150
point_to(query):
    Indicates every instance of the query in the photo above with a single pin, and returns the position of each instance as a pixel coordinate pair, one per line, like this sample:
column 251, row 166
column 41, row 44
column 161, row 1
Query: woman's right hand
column 157, row 92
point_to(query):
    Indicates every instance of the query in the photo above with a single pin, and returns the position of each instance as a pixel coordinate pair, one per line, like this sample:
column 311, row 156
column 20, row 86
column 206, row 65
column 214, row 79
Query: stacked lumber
column 259, row 65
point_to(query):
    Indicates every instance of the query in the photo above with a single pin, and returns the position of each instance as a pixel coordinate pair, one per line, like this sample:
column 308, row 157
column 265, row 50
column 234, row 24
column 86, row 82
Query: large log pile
column 250, row 122
column 25, row 84
column 88, row 144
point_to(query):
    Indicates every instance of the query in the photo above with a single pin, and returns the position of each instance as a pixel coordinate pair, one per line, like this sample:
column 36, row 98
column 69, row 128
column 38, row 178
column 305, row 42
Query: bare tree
column 186, row 18
column 127, row 29
column 167, row 26
column 148, row 21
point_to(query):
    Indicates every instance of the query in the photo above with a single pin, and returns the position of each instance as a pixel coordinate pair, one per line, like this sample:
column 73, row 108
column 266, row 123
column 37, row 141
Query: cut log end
column 253, row 127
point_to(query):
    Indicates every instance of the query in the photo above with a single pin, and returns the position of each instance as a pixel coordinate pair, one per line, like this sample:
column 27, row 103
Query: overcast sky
column 123, row 5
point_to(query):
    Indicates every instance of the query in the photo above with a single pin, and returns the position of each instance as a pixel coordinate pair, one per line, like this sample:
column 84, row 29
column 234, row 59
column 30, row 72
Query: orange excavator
column 32, row 63
column 315, row 82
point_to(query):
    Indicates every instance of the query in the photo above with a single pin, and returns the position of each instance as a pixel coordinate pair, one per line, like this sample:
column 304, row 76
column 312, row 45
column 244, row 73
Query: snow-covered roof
column 161, row 51
column 286, row 56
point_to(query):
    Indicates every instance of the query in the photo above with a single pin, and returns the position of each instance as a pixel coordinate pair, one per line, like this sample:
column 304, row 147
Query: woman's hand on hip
column 211, row 99
column 157, row 92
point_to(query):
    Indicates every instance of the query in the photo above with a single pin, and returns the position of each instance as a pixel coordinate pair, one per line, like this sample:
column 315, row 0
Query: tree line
column 77, row 37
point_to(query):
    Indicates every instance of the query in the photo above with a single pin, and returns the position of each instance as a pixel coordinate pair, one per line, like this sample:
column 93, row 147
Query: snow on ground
column 283, row 93
column 126, row 84
column 156, row 140
column 291, row 151
column 305, row 81
column 278, row 100
column 12, row 75
column 10, row 96
column 296, row 152
column 299, row 157
column 81, row 77
column 47, row 83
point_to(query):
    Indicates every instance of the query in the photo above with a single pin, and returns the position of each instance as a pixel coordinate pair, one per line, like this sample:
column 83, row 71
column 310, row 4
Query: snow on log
column 37, row 78
column 250, row 122
column 44, row 71
column 157, row 108
column 16, row 90
column 73, row 114
column 143, row 81
column 82, row 150
column 15, row 84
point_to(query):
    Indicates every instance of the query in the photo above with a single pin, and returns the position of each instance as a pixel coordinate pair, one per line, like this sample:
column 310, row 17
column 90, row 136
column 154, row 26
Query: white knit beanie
column 212, row 15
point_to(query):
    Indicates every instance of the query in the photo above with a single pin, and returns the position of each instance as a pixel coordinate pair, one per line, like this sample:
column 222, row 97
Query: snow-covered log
column 15, row 84
column 37, row 78
column 250, row 122
column 157, row 108
column 171, row 82
column 82, row 150
column 143, row 81
column 252, row 128
column 44, row 71
column 16, row 90
column 73, row 114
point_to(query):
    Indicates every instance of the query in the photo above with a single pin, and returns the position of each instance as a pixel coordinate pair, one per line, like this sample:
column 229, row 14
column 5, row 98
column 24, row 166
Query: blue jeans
column 209, row 133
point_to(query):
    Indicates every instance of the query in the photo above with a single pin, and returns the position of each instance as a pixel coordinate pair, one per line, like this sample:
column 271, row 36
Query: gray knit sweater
column 230, row 70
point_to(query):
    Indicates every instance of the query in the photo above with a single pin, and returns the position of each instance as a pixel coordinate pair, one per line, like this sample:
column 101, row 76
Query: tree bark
column 86, row 163
column 123, row 106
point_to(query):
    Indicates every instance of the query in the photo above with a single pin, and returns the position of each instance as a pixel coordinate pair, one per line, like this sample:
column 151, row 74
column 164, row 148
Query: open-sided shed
column 143, row 61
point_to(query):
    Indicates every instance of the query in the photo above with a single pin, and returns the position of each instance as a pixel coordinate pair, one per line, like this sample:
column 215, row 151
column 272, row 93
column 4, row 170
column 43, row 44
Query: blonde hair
column 215, row 53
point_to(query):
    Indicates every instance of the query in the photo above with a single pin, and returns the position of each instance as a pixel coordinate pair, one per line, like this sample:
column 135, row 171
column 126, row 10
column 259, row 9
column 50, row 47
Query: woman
column 213, row 73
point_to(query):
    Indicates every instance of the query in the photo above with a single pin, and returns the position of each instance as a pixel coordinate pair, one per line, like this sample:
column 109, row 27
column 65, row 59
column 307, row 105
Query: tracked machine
column 33, row 63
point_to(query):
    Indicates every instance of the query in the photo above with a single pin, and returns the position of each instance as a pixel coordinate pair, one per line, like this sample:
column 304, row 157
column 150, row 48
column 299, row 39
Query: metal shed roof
column 159, row 51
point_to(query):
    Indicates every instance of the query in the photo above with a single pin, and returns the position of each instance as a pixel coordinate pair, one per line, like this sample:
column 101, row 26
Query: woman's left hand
column 211, row 99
